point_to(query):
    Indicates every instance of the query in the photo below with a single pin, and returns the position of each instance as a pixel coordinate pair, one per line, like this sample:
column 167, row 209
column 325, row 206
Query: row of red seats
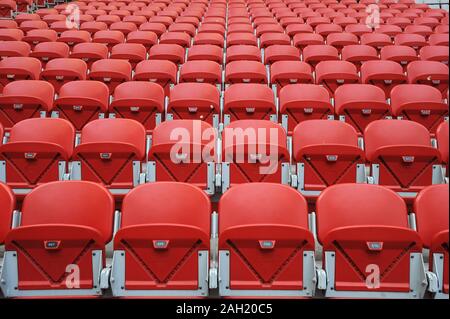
column 261, row 242
column 81, row 101
column 115, row 153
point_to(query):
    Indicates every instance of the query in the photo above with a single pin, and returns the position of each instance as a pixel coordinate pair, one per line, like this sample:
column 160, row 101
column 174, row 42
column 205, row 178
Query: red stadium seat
column 249, row 101
column 429, row 72
column 368, row 248
column 302, row 40
column 245, row 72
column 416, row 41
column 272, row 38
column 333, row 74
column 108, row 37
column 301, row 102
column 110, row 152
column 180, row 38
column 146, row 38
column 201, row 72
column 25, row 99
column 157, row 28
column 254, row 151
column 194, row 101
column 73, row 37
column 19, row 68
column 358, row 54
column 314, row 54
column 158, row 71
column 131, row 52
column 401, row 155
column 14, row 49
column 60, row 71
column 77, row 230
column 140, row 101
column 243, row 52
column 384, row 74
column 442, row 140
column 437, row 53
column 250, row 264
column 438, row 39
column 238, row 38
column 93, row 26
column 82, row 101
column 208, row 52
column 283, row 73
column 399, row 53
column 340, row 40
column 389, row 29
column 326, row 153
column 420, row 103
column 37, row 152
column 34, row 37
column 7, row 206
column 11, row 35
column 112, row 72
column 89, row 52
column 26, row 26
column 47, row 51
column 431, row 210
column 157, row 270
column 276, row 53
column 172, row 52
column 195, row 155
column 360, row 104
column 376, row 40
column 209, row 38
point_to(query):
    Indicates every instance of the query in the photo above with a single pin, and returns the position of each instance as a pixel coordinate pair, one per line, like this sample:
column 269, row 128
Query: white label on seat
column 30, row 156
column 436, row 82
column 308, row 110
column 255, row 157
column 293, row 80
column 267, row 244
column 332, row 158
column 105, row 156
column 152, row 80
column 59, row 77
column 340, row 81
column 200, row 80
column 366, row 111
column 425, row 112
column 246, row 80
column 18, row 106
column 250, row 109
column 192, row 109
column 403, row 62
column 408, row 159
column 134, row 109
column 77, row 107
column 388, row 82
column 107, row 79
column 45, row 58
column 10, row 76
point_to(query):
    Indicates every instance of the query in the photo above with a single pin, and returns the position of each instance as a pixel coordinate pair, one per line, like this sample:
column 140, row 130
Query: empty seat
column 14, row 49
column 7, row 206
column 110, row 152
column 367, row 244
column 376, row 40
column 416, row 41
column 399, row 53
column 301, row 102
column 58, row 237
column 340, row 40
column 245, row 72
column 89, row 52
column 326, row 153
column 429, row 72
column 171, row 52
column 268, row 249
column 437, row 53
column 360, row 104
column 180, row 38
column 194, row 101
column 156, row 213
column 140, row 101
column 158, row 71
column 112, row 72
column 401, row 155
column 384, row 74
column 157, row 28
column 146, row 38
column 325, row 29
column 243, row 52
column 183, row 151
column 249, row 101
column 19, row 68
column 34, row 37
column 207, row 52
column 60, row 71
column 313, row 54
column 438, row 39
column 82, row 101
column 37, row 152
column 21, row 100
column 108, row 37
column 201, row 72
column 240, row 38
column 431, row 209
column 254, row 151
column 442, row 140
column 132, row 52
column 333, row 74
column 273, row 38
column 11, row 35
column 93, row 26
column 124, row 27
column 47, row 51
column 73, row 37
column 283, row 73
column 419, row 103
column 358, row 54
column 209, row 38
column 183, row 28
column 276, row 53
